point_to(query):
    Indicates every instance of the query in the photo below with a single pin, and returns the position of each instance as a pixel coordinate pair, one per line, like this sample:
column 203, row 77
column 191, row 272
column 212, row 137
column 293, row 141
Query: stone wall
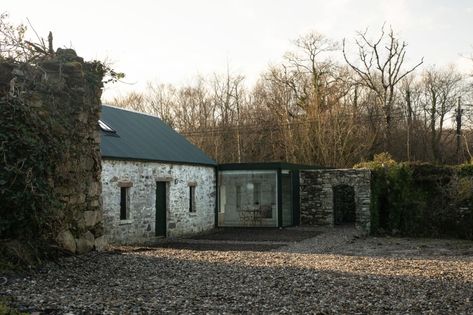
column 316, row 193
column 59, row 98
column 143, row 177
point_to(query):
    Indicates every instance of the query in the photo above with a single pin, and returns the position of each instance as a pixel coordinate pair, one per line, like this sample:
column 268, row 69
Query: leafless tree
column 311, row 109
column 441, row 91
column 381, row 68
column 133, row 100
column 312, row 59
column 410, row 91
column 160, row 99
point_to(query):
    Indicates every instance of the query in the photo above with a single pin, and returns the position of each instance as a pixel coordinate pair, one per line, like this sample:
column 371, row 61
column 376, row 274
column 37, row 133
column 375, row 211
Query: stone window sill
column 192, row 214
column 125, row 222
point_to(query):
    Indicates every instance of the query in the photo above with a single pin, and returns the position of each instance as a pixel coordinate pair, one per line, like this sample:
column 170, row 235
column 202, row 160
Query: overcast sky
column 173, row 41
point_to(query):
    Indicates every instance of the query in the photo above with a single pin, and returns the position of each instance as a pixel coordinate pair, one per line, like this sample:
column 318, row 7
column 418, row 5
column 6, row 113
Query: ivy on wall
column 411, row 199
column 27, row 147
column 49, row 151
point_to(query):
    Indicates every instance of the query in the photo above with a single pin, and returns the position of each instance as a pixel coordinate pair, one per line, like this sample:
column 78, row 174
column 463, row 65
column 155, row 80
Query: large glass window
column 247, row 198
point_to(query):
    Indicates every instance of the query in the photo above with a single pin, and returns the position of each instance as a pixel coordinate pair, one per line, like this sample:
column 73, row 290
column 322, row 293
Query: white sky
column 173, row 41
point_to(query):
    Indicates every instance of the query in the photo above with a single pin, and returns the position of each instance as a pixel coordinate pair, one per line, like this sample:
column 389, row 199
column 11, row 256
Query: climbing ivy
column 411, row 199
column 48, row 124
column 26, row 147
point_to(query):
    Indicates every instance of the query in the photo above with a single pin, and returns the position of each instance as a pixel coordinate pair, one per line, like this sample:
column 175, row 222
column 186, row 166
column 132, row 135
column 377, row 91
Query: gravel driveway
column 335, row 272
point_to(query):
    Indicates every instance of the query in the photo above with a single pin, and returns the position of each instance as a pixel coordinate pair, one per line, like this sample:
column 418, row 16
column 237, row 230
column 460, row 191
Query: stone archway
column 317, row 195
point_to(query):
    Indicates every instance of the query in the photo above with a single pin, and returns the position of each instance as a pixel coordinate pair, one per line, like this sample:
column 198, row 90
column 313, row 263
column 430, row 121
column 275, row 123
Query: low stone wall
column 316, row 193
column 142, row 178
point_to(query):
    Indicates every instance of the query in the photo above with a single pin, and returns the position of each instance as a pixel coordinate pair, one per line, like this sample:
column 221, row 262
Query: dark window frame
column 192, row 208
column 124, row 203
column 238, row 197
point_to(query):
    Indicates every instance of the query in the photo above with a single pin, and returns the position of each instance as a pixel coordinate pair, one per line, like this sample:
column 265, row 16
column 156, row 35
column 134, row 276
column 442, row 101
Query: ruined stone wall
column 141, row 177
column 316, row 193
column 59, row 101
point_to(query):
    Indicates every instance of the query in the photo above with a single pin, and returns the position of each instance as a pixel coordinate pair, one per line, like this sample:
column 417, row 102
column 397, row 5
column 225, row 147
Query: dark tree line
column 312, row 108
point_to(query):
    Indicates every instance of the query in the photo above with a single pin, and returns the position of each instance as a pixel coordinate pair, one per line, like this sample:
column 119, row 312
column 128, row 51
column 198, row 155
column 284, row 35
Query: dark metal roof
column 144, row 137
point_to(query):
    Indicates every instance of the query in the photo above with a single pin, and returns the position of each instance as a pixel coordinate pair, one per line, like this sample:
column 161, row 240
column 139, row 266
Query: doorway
column 344, row 206
column 161, row 209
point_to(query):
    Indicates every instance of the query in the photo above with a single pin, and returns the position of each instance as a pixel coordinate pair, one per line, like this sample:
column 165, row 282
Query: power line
column 398, row 113
column 257, row 127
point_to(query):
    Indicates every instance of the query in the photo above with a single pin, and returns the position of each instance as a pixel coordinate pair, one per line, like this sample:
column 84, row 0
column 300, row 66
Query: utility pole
column 459, row 129
column 409, row 123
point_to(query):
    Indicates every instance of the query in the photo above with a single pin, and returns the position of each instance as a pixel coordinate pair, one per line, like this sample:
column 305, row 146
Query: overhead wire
column 275, row 126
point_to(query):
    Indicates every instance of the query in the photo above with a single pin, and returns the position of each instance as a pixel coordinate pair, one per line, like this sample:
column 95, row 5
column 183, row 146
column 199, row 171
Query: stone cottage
column 154, row 181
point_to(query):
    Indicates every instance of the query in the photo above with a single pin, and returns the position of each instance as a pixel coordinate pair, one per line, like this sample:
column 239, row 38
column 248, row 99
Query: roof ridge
column 132, row 111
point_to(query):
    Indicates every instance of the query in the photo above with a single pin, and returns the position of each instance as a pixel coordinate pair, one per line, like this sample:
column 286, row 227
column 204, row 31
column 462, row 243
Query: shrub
column 379, row 161
column 412, row 199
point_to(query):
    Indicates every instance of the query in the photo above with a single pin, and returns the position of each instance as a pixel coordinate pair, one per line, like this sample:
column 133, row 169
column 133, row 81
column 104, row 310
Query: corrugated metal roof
column 144, row 137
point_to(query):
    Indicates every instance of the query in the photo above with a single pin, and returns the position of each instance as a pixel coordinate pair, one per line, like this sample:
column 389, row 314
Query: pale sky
column 173, row 41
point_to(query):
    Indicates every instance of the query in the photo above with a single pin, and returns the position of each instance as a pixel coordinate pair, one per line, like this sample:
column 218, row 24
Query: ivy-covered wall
column 49, row 150
column 421, row 200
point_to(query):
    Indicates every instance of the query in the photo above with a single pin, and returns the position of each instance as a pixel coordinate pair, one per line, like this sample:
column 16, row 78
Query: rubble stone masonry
column 316, row 193
column 141, row 178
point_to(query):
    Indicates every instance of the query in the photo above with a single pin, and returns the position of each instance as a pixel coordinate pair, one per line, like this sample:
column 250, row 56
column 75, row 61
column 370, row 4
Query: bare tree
column 278, row 93
column 312, row 58
column 308, row 98
column 160, row 99
column 133, row 100
column 228, row 97
column 441, row 90
column 381, row 69
column 410, row 91
column 311, row 109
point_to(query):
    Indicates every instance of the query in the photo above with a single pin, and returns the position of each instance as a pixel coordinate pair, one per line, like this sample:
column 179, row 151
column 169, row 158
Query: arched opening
column 344, row 206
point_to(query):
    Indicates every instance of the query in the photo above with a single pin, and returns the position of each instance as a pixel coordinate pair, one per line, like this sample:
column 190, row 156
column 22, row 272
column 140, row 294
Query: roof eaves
column 116, row 158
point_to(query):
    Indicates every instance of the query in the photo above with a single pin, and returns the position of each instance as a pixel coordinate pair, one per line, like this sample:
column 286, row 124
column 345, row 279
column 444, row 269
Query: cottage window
column 124, row 203
column 192, row 199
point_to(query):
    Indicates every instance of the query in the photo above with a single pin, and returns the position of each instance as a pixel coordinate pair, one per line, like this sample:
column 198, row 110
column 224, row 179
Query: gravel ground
column 335, row 272
column 290, row 234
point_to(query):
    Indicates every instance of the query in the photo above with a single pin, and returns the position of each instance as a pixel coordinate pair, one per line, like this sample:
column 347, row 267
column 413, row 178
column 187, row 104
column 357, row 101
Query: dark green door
column 160, row 208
